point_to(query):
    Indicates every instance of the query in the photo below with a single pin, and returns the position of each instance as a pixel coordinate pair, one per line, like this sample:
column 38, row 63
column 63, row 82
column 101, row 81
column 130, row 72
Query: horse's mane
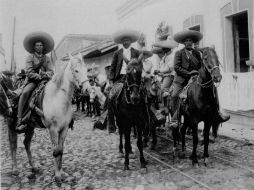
column 59, row 74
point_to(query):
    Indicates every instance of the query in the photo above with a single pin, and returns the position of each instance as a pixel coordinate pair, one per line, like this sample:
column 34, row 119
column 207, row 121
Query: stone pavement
column 236, row 131
column 90, row 159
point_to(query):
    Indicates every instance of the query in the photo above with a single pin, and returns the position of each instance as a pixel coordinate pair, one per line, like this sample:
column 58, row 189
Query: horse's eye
column 76, row 71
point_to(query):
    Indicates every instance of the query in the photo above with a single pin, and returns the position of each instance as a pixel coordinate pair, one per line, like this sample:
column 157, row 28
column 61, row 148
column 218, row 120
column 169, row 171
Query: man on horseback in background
column 38, row 67
column 119, row 64
column 165, row 68
column 187, row 63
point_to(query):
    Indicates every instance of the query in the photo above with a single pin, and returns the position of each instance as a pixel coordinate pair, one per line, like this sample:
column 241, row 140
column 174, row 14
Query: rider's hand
column 156, row 72
column 194, row 72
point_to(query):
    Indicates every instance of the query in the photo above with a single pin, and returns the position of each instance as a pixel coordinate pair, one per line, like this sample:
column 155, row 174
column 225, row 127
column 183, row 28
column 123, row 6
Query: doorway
column 240, row 41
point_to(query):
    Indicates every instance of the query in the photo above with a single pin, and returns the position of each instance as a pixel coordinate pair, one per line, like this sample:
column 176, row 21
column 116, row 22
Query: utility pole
column 13, row 61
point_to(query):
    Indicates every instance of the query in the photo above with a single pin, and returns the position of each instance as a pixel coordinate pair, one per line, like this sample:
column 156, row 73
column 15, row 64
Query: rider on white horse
column 38, row 66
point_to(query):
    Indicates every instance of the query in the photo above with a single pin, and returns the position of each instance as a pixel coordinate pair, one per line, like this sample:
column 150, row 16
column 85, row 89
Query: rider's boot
column 222, row 117
column 20, row 126
column 111, row 120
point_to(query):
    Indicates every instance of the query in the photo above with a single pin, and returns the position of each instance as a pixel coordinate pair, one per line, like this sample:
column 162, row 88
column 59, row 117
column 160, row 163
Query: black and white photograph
column 127, row 94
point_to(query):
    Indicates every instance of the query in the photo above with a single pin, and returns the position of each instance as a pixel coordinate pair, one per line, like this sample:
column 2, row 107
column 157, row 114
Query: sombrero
column 120, row 35
column 8, row 73
column 167, row 44
column 22, row 73
column 43, row 37
column 146, row 53
column 156, row 50
column 194, row 35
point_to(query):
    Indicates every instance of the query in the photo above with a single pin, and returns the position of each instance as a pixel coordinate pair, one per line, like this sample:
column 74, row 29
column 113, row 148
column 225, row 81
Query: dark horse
column 201, row 104
column 130, row 110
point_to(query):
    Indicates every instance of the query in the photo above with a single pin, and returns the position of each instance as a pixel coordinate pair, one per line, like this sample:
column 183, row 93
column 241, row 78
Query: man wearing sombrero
column 165, row 67
column 119, row 64
column 187, row 62
column 38, row 66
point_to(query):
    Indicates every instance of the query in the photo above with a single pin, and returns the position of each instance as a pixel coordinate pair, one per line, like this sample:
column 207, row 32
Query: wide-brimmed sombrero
column 156, row 50
column 8, row 73
column 146, row 53
column 166, row 44
column 39, row 36
column 120, row 35
column 22, row 73
column 180, row 37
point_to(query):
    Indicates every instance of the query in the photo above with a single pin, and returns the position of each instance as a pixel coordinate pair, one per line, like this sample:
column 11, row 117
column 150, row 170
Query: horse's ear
column 70, row 56
column 80, row 57
column 212, row 46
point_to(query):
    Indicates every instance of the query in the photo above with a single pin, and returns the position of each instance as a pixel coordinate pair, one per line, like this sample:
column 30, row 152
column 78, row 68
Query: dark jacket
column 183, row 65
column 117, row 63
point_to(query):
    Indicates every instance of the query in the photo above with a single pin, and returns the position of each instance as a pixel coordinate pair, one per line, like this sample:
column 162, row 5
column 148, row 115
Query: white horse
column 57, row 106
column 56, row 113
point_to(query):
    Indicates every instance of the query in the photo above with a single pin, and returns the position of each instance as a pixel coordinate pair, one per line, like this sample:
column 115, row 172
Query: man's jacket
column 35, row 66
column 117, row 63
column 184, row 64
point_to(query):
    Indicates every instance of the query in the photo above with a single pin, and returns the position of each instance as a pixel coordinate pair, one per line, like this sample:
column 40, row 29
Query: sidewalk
column 236, row 131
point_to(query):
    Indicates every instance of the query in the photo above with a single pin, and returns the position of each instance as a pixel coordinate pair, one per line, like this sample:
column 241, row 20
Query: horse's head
column 78, row 70
column 134, row 80
column 211, row 63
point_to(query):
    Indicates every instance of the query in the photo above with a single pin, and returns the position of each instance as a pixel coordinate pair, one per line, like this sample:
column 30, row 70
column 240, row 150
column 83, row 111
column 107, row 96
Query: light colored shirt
column 147, row 68
column 166, row 64
column 127, row 54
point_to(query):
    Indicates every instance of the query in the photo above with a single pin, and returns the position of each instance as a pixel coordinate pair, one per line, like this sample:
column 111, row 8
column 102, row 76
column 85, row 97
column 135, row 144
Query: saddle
column 183, row 94
column 34, row 105
column 115, row 91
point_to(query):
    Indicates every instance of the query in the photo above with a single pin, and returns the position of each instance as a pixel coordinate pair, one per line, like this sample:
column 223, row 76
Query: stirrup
column 21, row 128
column 173, row 124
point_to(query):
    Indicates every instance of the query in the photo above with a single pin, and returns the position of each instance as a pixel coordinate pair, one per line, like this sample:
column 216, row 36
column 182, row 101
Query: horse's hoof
column 152, row 147
column 126, row 167
column 58, row 179
column 132, row 156
column 120, row 155
column 195, row 164
column 143, row 170
column 64, row 175
column 36, row 169
column 182, row 155
column 15, row 172
column 145, row 145
column 206, row 161
column 145, row 162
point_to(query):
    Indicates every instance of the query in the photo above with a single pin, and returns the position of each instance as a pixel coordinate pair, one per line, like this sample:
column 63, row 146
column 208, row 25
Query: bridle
column 129, row 86
column 210, row 82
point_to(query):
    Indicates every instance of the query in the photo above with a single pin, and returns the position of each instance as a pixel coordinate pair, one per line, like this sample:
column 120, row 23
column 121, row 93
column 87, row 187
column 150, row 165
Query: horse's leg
column 121, row 155
column 134, row 131
column 127, row 133
column 207, row 126
column 183, row 133
column 140, row 147
column 195, row 143
column 54, row 140
column 62, row 136
column 154, row 137
column 83, row 104
column 13, row 137
column 27, row 143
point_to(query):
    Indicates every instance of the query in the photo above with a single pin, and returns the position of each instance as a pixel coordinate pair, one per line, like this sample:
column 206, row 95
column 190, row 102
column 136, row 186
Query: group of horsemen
column 175, row 67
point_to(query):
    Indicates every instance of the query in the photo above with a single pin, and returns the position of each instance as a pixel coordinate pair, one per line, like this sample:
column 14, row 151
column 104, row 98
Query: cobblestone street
column 90, row 159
